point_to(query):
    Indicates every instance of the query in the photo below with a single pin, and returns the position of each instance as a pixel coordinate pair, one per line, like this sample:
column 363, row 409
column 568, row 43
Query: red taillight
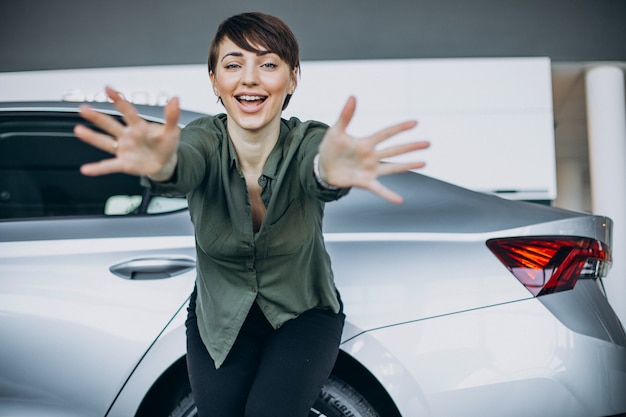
column 549, row 264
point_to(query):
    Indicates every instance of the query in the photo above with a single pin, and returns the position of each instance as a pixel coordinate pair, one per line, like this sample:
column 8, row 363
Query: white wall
column 490, row 121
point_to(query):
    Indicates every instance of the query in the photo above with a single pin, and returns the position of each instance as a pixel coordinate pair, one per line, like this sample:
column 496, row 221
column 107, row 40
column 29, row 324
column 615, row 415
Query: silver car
column 458, row 303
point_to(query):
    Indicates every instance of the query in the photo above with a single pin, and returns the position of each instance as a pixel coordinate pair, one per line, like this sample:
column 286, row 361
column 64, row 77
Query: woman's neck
column 253, row 147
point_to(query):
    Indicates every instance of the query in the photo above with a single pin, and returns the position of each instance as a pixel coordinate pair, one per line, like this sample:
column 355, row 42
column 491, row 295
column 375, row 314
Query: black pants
column 268, row 373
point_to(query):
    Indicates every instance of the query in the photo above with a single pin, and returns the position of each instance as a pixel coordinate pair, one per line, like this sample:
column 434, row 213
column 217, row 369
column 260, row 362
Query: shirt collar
column 234, row 161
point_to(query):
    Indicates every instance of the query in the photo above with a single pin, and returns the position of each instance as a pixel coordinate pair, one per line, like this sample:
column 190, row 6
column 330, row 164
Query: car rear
column 479, row 305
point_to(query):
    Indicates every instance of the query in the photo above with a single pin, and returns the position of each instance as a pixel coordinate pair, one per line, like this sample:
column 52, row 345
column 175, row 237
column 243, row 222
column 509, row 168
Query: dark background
column 60, row 34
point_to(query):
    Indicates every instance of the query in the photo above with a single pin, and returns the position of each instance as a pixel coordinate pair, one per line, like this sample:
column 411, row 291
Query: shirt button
column 253, row 289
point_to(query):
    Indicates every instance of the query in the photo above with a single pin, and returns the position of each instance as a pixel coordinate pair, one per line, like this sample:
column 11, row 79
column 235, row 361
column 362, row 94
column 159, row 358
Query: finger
column 128, row 111
column 346, row 114
column 402, row 149
column 385, row 193
column 390, row 131
column 104, row 167
column 99, row 140
column 105, row 122
column 391, row 168
column 172, row 114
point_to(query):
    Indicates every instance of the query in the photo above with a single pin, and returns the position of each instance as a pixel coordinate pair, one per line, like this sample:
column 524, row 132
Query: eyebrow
column 238, row 54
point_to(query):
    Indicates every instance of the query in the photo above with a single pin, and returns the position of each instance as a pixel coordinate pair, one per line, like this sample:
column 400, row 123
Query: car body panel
column 434, row 273
column 515, row 353
column 94, row 325
column 169, row 348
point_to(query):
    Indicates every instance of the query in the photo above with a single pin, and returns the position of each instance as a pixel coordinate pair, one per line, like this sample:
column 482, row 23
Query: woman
column 265, row 319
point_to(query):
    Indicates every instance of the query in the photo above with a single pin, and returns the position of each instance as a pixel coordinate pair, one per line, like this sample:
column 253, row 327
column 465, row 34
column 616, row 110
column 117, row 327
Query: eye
column 270, row 65
column 231, row 66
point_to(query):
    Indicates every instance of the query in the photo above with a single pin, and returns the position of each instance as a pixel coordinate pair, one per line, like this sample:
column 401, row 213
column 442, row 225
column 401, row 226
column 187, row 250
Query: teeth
column 250, row 98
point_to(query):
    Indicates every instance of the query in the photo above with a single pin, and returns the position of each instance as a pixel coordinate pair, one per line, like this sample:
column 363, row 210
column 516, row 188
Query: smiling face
column 253, row 86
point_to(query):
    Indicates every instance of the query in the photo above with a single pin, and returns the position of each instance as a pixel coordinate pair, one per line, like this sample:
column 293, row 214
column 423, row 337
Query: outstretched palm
column 347, row 161
column 138, row 147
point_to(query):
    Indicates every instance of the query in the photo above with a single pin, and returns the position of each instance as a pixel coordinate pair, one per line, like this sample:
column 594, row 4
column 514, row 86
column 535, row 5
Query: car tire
column 185, row 408
column 337, row 399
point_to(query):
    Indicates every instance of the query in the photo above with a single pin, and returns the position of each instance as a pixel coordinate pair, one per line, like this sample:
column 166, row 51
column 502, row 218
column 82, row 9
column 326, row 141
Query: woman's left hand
column 346, row 161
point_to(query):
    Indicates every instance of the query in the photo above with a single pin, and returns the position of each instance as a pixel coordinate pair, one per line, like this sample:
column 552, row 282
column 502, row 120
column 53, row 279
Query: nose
column 250, row 75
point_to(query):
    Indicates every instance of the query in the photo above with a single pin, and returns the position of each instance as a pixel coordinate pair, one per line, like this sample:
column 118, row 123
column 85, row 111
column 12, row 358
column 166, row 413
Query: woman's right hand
column 138, row 147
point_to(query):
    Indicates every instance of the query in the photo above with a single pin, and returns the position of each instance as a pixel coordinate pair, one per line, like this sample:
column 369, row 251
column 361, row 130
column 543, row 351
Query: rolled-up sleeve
column 307, row 178
column 194, row 153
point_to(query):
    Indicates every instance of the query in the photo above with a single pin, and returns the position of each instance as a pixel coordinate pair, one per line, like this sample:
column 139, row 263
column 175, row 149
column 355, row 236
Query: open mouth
column 245, row 99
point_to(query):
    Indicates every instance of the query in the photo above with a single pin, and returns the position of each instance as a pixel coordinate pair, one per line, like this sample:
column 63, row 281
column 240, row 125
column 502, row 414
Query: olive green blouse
column 284, row 267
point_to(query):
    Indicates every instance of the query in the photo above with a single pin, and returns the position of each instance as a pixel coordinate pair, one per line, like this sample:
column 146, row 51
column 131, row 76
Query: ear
column 214, row 83
column 294, row 81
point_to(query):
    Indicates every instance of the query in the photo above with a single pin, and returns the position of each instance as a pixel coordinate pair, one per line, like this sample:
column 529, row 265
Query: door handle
column 153, row 268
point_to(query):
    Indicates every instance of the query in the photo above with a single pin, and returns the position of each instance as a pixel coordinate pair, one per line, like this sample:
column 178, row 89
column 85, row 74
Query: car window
column 39, row 173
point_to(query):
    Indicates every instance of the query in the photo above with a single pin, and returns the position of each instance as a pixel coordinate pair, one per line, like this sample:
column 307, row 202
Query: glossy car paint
column 74, row 326
column 468, row 340
column 441, row 324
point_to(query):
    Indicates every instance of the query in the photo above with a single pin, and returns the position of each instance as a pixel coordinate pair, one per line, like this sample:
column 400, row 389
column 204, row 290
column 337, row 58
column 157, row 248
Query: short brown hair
column 255, row 28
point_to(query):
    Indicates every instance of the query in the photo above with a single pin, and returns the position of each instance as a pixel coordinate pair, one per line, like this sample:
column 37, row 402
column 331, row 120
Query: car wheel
column 337, row 399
